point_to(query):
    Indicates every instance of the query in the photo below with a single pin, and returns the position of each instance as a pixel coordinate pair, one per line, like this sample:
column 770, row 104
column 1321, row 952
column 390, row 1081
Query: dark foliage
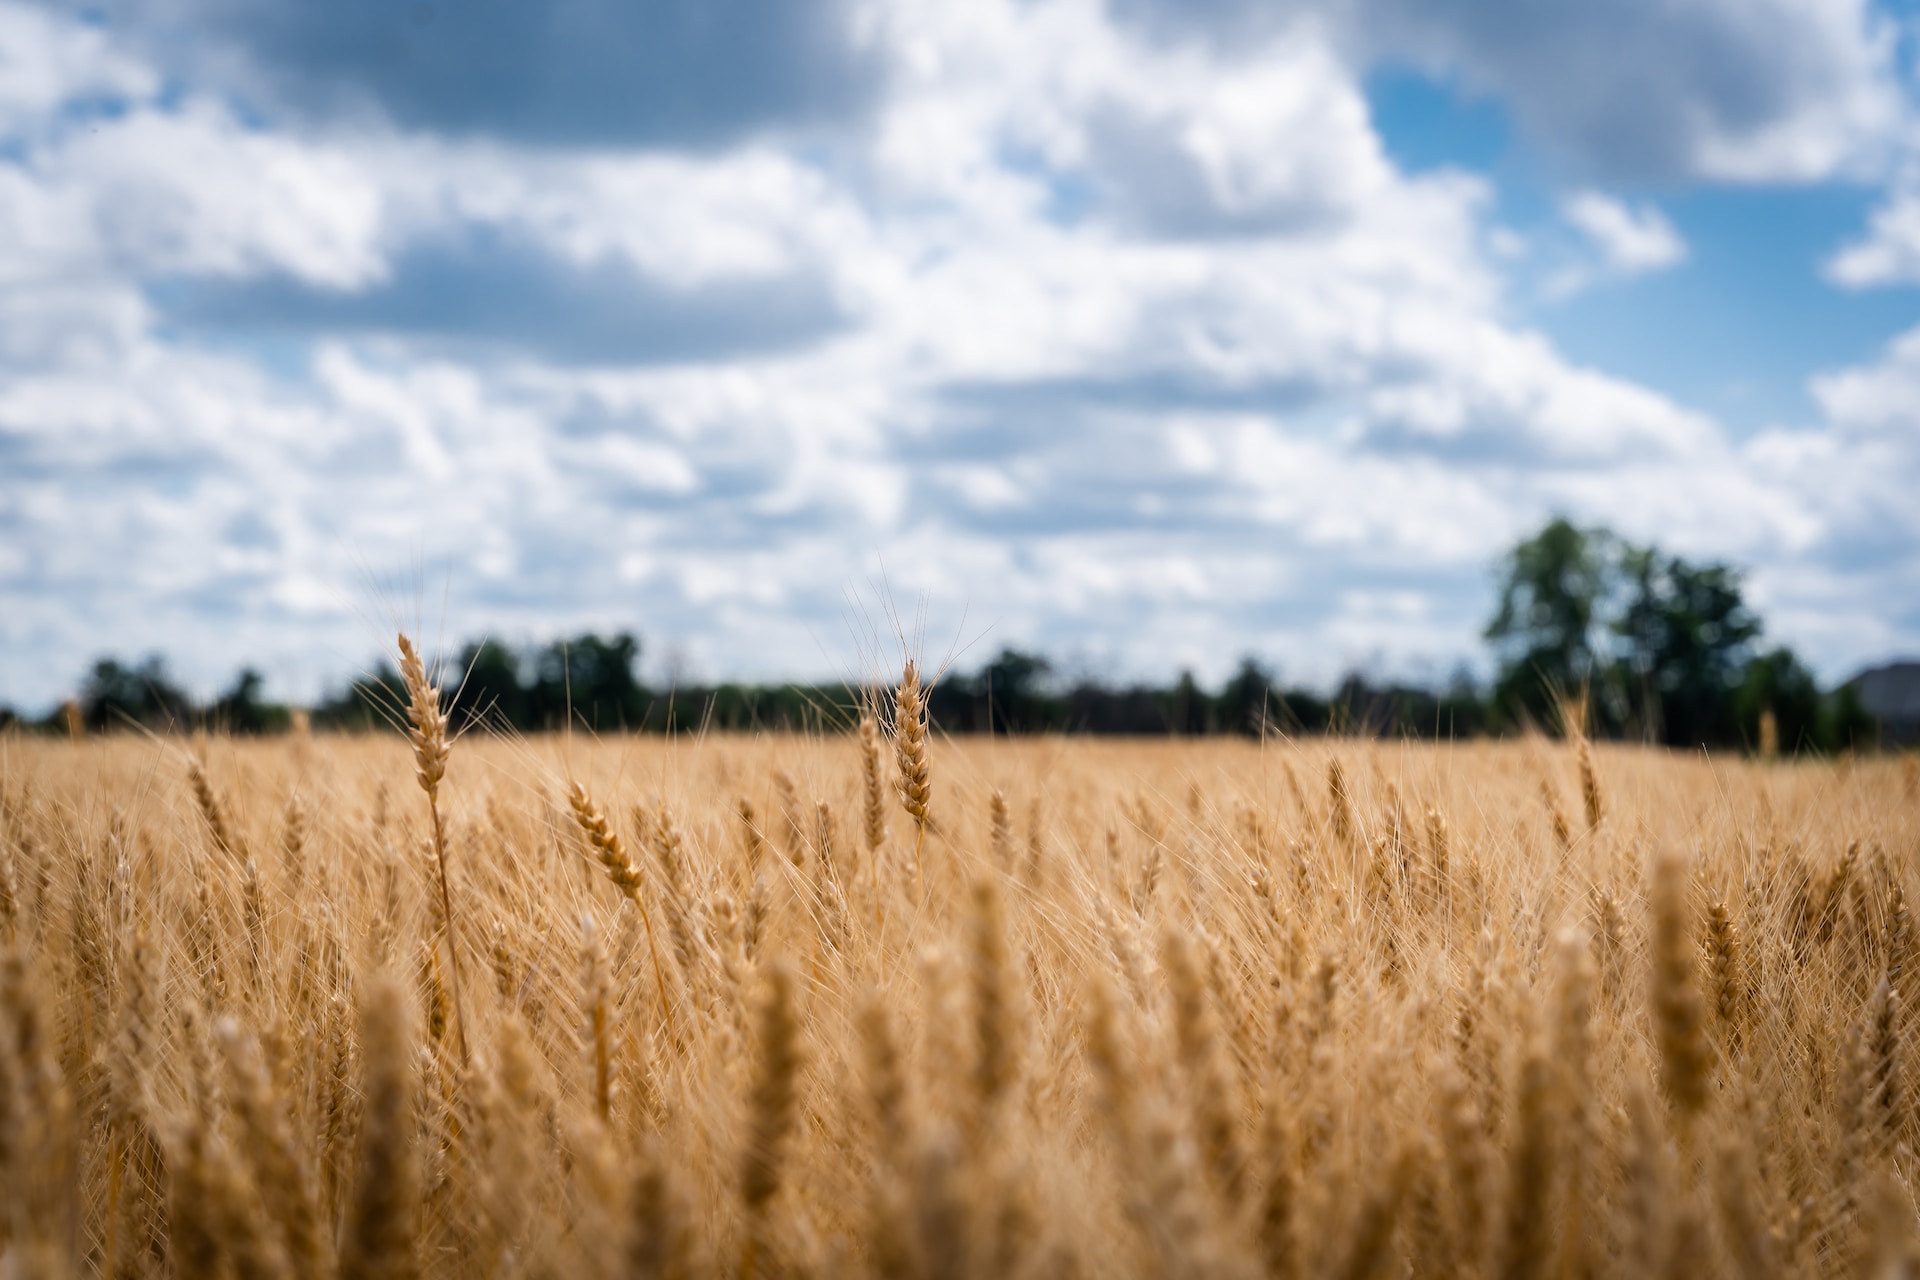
column 588, row 681
column 116, row 696
column 375, row 700
column 1779, row 682
column 488, row 688
column 242, row 710
column 1546, row 626
column 1661, row 649
column 1846, row 725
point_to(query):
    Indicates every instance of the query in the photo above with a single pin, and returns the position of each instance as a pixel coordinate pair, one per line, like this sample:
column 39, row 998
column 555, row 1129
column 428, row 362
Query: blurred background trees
column 1653, row 646
column 1547, row 624
column 115, row 695
column 1657, row 647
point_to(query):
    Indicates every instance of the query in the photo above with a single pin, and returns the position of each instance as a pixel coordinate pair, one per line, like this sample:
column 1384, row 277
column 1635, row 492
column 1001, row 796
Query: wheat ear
column 281, row 1174
column 771, row 1108
column 626, row 877
column 211, row 809
column 1680, row 1015
column 431, row 746
column 379, row 1235
column 910, row 745
column 1339, row 802
column 873, row 787
column 1590, row 786
column 595, row 996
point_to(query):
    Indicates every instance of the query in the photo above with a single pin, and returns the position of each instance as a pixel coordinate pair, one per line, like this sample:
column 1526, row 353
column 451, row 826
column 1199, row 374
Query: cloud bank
column 1116, row 333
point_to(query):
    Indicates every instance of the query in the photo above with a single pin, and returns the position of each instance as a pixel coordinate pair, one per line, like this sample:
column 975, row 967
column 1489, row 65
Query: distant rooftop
column 1891, row 694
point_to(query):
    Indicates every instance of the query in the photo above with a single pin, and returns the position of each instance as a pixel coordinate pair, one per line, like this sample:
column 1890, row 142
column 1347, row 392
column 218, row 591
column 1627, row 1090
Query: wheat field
column 882, row 1003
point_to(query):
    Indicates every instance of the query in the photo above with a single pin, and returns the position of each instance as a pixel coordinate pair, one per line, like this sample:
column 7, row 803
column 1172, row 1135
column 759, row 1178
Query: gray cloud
column 1265, row 395
column 485, row 288
column 677, row 73
column 1153, row 180
column 1626, row 90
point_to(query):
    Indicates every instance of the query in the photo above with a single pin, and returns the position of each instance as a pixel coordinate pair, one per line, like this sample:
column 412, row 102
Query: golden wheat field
column 889, row 1004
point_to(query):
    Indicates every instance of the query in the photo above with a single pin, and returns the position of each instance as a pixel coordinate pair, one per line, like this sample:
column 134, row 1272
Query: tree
column 1243, row 700
column 242, row 710
column 375, row 700
column 590, row 680
column 1553, row 587
column 1688, row 635
column 1777, row 681
column 490, row 691
column 1187, row 712
column 1660, row 644
column 1010, row 684
column 115, row 695
column 1845, row 722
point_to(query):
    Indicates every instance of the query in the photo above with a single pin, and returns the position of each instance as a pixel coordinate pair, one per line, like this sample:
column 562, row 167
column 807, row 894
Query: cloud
column 1791, row 90
column 48, row 64
column 1203, row 150
column 1136, row 347
column 225, row 229
column 1876, row 398
column 692, row 74
column 500, row 292
column 1735, row 90
column 1846, row 573
column 1621, row 241
column 1631, row 241
column 195, row 192
column 1889, row 254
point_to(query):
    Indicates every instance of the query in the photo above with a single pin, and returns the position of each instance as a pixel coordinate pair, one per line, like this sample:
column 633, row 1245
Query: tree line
column 1648, row 646
column 1653, row 647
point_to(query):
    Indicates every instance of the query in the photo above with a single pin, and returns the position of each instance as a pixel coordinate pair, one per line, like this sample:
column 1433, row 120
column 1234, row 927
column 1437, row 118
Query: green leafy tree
column 1553, row 587
column 1187, row 707
column 1010, row 685
column 1779, row 682
column 1243, row 701
column 242, row 710
column 1661, row 645
column 590, row 681
column 116, row 695
column 1845, row 722
column 490, row 691
column 1688, row 636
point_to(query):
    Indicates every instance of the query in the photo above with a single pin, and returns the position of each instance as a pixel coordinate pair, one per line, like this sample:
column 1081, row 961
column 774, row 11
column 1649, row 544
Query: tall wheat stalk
column 910, row 745
column 431, row 747
column 620, row 869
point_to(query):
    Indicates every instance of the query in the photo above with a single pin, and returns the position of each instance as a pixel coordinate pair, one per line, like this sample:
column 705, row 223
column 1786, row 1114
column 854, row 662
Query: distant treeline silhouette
column 590, row 682
column 1649, row 646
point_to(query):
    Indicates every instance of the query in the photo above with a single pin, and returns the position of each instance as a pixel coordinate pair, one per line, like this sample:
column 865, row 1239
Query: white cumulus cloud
column 1136, row 348
column 1889, row 254
column 1630, row 240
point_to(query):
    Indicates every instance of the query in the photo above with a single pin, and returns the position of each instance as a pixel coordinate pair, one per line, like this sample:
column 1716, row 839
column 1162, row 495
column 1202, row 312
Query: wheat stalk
column 431, row 746
column 1686, row 1061
column 1011, row 1084
column 770, row 1109
column 910, row 747
column 379, row 1238
column 626, row 877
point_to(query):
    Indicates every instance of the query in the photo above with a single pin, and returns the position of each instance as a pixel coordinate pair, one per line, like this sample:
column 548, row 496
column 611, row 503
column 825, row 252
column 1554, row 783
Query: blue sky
column 1738, row 328
column 1148, row 334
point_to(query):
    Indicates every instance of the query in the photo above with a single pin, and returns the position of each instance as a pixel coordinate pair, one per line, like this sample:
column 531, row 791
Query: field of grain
column 728, row 1006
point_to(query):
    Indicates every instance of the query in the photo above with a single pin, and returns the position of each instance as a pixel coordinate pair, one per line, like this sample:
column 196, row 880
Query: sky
column 1146, row 334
